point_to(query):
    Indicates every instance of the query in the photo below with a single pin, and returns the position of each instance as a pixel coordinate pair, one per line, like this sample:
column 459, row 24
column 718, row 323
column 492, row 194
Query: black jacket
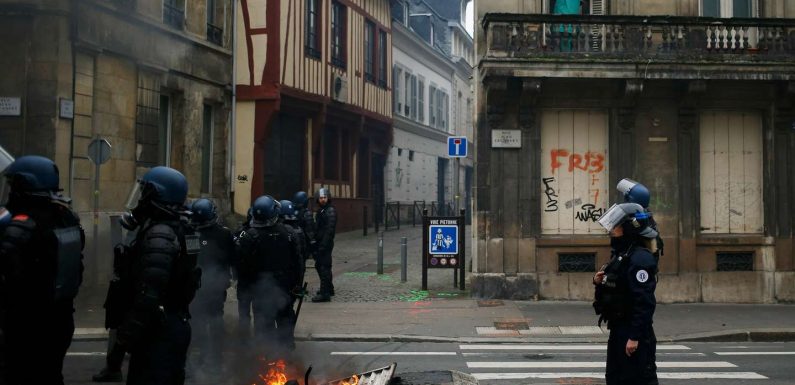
column 326, row 227
column 216, row 257
column 268, row 254
column 307, row 223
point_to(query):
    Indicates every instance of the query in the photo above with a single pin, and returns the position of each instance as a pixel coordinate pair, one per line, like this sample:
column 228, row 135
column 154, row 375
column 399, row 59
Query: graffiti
column 591, row 162
column 573, row 202
column 549, row 191
column 589, row 213
column 242, row 178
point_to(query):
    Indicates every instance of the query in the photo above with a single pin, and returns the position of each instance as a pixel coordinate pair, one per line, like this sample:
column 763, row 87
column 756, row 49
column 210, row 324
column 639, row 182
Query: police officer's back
column 306, row 220
column 289, row 216
column 267, row 266
column 40, row 272
column 624, row 296
column 207, row 309
column 164, row 275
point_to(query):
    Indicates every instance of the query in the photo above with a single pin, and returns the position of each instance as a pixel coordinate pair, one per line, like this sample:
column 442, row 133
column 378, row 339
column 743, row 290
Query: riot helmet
column 287, row 210
column 33, row 175
column 323, row 192
column 161, row 189
column 634, row 192
column 203, row 212
column 634, row 220
column 300, row 200
column 264, row 212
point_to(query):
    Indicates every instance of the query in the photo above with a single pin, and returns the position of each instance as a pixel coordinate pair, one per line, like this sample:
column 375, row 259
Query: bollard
column 403, row 258
column 364, row 221
column 380, row 253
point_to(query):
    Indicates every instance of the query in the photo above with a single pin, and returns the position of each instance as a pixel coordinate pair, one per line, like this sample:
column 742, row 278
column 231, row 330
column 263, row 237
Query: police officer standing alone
column 268, row 266
column 40, row 272
column 207, row 309
column 625, row 296
column 326, row 219
column 164, row 274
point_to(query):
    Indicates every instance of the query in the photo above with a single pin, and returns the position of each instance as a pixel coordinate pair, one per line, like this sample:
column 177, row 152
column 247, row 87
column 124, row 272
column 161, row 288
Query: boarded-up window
column 574, row 168
column 731, row 172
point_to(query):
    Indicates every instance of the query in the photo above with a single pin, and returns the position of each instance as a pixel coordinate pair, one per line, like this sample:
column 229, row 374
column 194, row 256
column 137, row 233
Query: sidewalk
column 372, row 307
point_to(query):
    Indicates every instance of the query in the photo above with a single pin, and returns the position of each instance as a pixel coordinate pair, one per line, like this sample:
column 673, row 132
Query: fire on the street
column 277, row 375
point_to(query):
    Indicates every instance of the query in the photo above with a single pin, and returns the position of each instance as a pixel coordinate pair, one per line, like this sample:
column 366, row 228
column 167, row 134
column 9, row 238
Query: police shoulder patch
column 642, row 276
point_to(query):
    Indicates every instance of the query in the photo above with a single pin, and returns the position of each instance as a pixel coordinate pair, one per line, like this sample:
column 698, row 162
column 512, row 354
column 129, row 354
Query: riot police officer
column 40, row 272
column 635, row 192
column 305, row 220
column 207, row 309
column 326, row 219
column 268, row 267
column 162, row 268
column 288, row 216
column 624, row 296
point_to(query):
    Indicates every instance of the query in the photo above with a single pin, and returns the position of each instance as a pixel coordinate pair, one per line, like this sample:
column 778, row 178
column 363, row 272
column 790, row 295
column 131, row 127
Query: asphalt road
column 497, row 364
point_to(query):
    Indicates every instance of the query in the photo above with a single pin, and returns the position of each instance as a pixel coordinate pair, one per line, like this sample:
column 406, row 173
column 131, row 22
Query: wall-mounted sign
column 10, row 106
column 506, row 138
column 67, row 108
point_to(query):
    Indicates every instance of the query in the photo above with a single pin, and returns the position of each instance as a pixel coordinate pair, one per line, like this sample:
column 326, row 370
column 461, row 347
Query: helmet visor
column 5, row 160
column 134, row 196
column 612, row 217
column 626, row 185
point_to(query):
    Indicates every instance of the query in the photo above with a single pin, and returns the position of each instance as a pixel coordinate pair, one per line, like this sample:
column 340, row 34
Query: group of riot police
column 176, row 264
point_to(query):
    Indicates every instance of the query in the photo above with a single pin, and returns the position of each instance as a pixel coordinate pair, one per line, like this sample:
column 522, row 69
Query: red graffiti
column 591, row 162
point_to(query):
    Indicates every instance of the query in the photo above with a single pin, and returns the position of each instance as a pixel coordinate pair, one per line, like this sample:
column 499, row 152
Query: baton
column 300, row 301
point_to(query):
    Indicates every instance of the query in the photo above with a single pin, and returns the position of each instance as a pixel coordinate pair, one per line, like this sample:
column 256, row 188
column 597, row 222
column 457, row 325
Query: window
column 338, row 34
column 731, row 172
column 312, row 23
column 574, row 171
column 215, row 33
column 421, row 100
column 174, row 13
column 382, row 59
column 407, row 95
column 727, row 8
column 164, row 132
column 406, row 13
column 432, row 106
column 369, row 51
column 207, row 149
column 152, row 120
column 397, row 90
column 413, row 96
column 445, row 111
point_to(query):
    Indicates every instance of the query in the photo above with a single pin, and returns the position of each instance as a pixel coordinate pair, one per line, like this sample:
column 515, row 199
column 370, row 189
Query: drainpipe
column 233, row 131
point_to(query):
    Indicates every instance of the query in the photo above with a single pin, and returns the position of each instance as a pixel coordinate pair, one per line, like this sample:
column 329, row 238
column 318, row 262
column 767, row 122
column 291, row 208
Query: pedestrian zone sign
column 457, row 146
column 443, row 239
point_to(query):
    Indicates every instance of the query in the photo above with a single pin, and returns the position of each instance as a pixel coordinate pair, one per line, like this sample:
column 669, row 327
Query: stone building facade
column 698, row 106
column 152, row 78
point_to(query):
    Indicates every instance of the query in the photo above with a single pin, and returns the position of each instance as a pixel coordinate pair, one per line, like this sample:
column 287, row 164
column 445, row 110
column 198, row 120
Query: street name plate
column 506, row 138
column 10, row 106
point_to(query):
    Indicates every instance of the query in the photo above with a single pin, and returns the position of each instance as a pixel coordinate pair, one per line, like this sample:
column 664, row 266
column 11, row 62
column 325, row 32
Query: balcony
column 636, row 46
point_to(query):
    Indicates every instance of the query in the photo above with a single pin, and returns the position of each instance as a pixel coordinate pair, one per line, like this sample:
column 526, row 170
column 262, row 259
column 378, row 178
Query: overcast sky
column 470, row 19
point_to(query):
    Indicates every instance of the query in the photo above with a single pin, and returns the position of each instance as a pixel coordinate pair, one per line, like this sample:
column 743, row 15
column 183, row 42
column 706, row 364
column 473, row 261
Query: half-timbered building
column 313, row 101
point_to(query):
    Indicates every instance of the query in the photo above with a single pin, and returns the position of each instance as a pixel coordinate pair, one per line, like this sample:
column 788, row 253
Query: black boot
column 321, row 297
column 107, row 375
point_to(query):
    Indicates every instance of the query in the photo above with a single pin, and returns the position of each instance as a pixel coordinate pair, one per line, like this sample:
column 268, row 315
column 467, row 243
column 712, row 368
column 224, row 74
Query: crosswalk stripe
column 393, row 353
column 589, row 354
column 553, row 347
column 755, row 353
column 592, row 364
column 660, row 375
column 84, row 354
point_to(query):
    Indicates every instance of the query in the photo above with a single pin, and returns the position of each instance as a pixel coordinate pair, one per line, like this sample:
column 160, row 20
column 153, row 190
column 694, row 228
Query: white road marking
column 85, row 354
column 394, row 353
column 661, row 375
column 590, row 354
column 554, row 347
column 755, row 353
column 592, row 364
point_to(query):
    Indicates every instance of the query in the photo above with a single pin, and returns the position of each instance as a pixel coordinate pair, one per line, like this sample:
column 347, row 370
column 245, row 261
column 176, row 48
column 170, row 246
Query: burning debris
column 277, row 374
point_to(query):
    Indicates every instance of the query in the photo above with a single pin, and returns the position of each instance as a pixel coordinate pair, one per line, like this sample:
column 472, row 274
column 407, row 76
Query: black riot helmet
column 203, row 212
column 33, row 175
column 287, row 210
column 300, row 199
column 632, row 217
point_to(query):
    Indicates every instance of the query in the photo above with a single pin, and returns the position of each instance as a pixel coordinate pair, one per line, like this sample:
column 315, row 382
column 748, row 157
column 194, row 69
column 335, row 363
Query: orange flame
column 275, row 374
column 354, row 381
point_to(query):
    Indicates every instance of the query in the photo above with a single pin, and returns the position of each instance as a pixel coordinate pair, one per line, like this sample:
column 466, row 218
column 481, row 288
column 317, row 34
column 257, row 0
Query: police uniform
column 326, row 220
column 268, row 268
column 207, row 309
column 40, row 270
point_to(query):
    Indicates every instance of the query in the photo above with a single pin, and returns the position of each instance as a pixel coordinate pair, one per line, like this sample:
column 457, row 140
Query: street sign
column 506, row 138
column 99, row 151
column 457, row 146
column 443, row 245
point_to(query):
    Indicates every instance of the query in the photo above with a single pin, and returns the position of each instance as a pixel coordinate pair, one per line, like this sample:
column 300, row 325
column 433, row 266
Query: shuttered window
column 731, row 173
column 574, row 171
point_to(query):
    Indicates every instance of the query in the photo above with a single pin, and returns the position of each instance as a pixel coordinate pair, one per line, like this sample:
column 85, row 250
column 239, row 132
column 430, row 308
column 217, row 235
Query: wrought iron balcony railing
column 215, row 34
column 626, row 37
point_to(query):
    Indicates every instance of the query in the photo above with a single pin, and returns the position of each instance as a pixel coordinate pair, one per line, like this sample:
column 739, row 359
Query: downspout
column 72, row 38
column 233, row 131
